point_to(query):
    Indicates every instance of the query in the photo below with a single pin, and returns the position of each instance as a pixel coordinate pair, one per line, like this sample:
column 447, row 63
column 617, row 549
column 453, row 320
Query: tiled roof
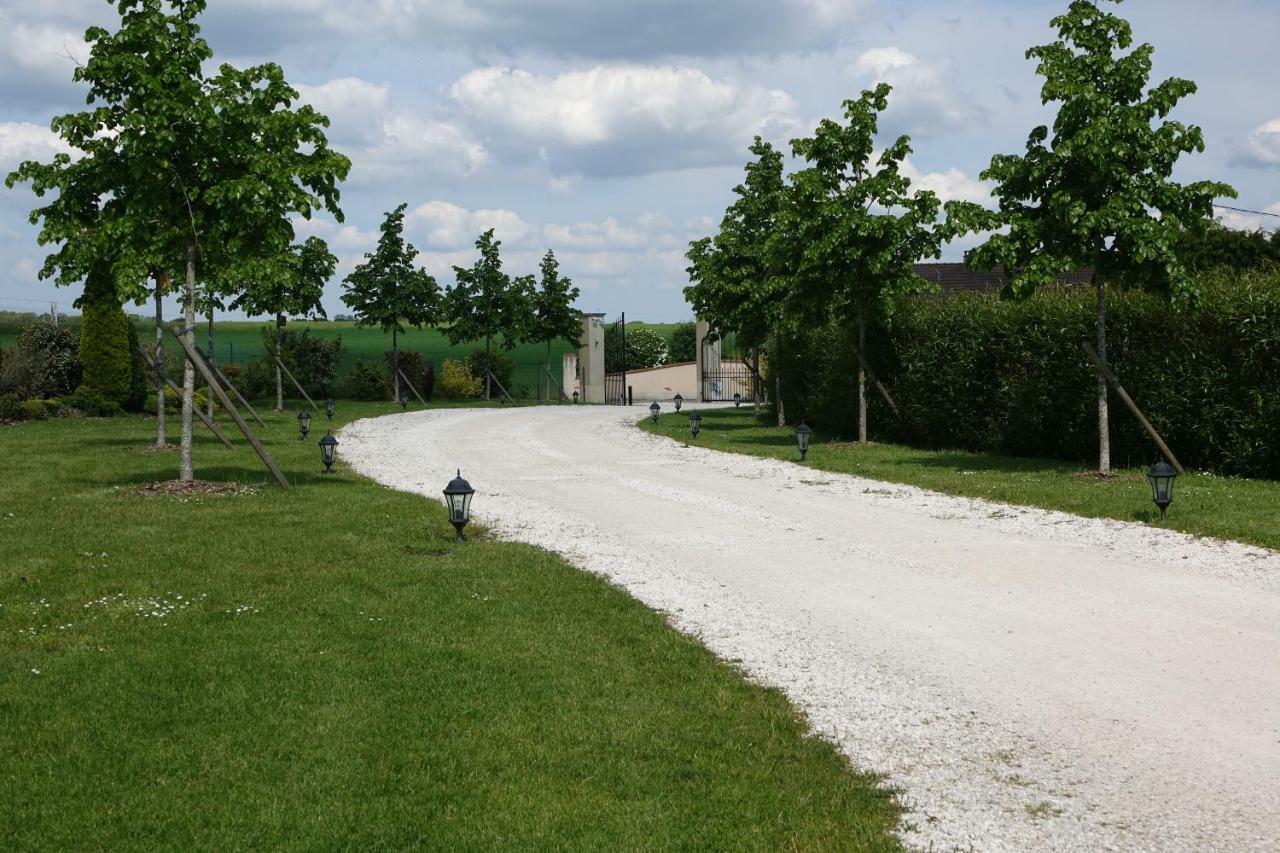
column 957, row 278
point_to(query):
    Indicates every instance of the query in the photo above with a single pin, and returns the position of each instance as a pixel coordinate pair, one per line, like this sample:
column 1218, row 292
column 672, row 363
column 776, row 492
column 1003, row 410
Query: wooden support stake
column 559, row 387
column 231, row 409
column 173, row 386
column 296, row 383
column 1133, row 407
column 406, row 381
column 884, row 392
column 227, row 382
column 499, row 384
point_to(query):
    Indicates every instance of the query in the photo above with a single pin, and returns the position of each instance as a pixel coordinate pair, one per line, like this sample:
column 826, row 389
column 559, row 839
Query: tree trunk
column 162, row 285
column 1104, row 425
column 862, row 378
column 279, row 372
column 488, row 366
column 551, row 392
column 395, row 364
column 755, row 381
column 777, row 378
column 186, row 470
column 211, row 357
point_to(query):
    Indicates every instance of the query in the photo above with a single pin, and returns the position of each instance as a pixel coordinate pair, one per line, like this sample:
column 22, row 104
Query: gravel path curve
column 1029, row 680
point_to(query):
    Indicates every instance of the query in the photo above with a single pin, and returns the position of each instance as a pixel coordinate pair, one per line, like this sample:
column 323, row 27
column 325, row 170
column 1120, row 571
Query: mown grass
column 325, row 669
column 1205, row 505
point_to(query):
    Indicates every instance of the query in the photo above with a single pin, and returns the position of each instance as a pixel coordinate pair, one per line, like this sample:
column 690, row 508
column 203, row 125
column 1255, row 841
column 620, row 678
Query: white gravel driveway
column 1028, row 679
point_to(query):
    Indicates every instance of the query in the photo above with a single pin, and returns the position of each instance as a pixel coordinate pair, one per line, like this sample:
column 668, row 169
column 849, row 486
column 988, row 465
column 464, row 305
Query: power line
column 1243, row 210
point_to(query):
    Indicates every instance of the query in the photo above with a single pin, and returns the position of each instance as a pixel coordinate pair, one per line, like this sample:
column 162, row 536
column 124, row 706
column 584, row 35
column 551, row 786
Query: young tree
column 739, row 282
column 1097, row 195
column 554, row 316
column 852, row 228
column 178, row 168
column 295, row 290
column 486, row 303
column 389, row 290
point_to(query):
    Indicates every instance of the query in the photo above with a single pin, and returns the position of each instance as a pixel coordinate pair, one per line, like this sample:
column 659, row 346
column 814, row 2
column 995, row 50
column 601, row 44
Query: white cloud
column 1250, row 221
column 20, row 140
column 449, row 226
column 923, row 102
column 622, row 119
column 951, row 185
column 1262, row 147
column 382, row 140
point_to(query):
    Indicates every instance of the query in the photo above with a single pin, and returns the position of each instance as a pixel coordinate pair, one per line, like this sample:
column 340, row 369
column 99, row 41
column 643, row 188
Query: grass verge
column 326, row 669
column 1204, row 505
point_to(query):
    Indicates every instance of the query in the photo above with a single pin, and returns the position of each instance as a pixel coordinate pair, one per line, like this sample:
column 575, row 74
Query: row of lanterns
column 1161, row 474
column 457, row 494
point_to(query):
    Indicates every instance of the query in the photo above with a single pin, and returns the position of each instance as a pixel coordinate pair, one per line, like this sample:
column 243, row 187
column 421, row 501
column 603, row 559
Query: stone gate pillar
column 591, row 358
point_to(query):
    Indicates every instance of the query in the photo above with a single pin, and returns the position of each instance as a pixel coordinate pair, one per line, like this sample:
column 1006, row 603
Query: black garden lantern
column 803, row 433
column 328, row 450
column 695, row 423
column 575, row 398
column 737, row 399
column 304, row 424
column 1162, row 476
column 457, row 497
column 655, row 410
column 328, row 408
column 679, row 401
column 404, row 400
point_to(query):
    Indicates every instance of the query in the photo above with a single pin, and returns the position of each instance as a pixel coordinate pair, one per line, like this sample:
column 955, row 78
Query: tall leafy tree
column 852, row 227
column 390, row 290
column 553, row 315
column 294, row 289
column 179, row 170
column 486, row 303
column 739, row 281
column 1095, row 193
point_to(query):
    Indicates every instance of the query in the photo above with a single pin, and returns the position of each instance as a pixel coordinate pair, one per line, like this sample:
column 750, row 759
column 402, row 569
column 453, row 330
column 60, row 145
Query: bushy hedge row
column 980, row 373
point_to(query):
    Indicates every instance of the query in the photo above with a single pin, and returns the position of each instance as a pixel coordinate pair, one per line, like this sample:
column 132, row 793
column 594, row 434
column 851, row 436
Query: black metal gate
column 727, row 371
column 615, row 354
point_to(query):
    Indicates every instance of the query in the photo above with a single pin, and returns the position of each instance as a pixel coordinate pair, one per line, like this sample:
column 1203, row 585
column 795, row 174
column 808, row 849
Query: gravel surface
column 1028, row 680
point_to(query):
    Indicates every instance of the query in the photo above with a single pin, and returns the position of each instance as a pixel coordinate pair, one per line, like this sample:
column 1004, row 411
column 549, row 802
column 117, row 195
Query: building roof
column 957, row 278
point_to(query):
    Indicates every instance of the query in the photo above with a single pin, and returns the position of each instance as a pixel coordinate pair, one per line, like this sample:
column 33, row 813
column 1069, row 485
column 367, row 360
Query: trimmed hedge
column 979, row 373
column 104, row 342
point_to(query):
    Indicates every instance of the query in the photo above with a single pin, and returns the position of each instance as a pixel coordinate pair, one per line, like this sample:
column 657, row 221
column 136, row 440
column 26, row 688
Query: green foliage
column 104, row 341
column 313, row 360
column 684, row 343
column 389, row 289
column 645, row 348
column 979, row 373
column 10, row 407
column 457, row 382
column 34, row 409
column 412, row 365
column 173, row 401
column 1214, row 247
column 91, row 404
column 1096, row 193
column 499, row 362
column 296, row 288
column 554, row 317
column 486, row 303
column 52, row 364
column 367, row 381
column 138, row 375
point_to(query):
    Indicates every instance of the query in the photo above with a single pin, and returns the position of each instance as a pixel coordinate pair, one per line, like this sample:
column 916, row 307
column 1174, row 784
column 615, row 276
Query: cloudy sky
column 613, row 132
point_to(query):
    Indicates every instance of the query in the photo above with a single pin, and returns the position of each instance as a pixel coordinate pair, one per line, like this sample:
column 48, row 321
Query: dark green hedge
column 980, row 373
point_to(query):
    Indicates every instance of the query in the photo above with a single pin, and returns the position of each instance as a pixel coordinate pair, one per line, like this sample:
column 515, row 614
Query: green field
column 326, row 669
column 241, row 341
column 1205, row 505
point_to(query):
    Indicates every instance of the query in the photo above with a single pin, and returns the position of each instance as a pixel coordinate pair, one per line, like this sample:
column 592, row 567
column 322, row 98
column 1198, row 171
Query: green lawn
column 1205, row 505
column 326, row 669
